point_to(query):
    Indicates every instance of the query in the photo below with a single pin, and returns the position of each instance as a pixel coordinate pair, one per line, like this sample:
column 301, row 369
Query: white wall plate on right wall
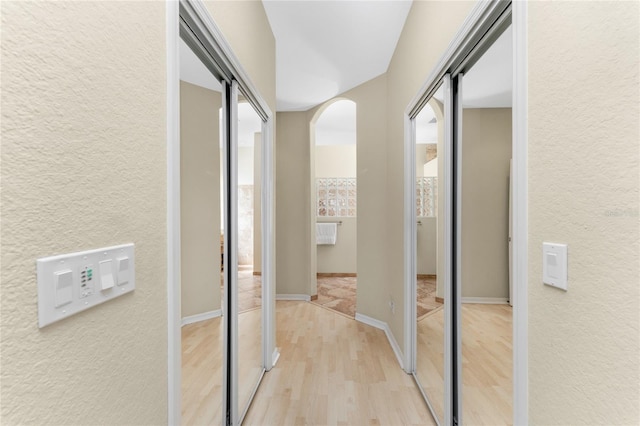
column 554, row 265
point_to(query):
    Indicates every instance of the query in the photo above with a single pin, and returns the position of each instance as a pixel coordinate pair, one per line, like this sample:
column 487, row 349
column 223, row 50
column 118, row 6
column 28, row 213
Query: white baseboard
column 300, row 297
column 384, row 327
column 201, row 317
column 486, row 300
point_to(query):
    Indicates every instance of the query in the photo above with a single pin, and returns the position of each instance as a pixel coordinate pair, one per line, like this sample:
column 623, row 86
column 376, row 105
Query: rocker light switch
column 63, row 282
column 554, row 265
column 106, row 275
column 122, row 263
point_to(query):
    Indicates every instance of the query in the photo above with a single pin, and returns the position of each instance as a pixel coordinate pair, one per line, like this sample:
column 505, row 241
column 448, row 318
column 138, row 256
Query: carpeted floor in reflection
column 339, row 294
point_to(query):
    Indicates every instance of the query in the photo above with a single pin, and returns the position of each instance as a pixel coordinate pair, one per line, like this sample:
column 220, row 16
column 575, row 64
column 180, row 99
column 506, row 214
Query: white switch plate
column 71, row 283
column 554, row 265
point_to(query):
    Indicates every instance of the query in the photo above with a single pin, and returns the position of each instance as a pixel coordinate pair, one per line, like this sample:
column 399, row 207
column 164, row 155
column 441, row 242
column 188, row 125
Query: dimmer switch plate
column 71, row 283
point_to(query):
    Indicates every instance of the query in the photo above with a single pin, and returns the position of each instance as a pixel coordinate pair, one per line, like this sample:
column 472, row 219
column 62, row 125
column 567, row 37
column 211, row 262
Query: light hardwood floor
column 202, row 361
column 334, row 371
column 486, row 362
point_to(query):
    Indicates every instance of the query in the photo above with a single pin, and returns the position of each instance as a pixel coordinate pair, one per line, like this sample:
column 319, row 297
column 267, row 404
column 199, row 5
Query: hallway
column 334, row 370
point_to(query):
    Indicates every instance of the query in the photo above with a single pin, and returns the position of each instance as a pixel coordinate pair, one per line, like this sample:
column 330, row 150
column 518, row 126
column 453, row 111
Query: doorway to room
column 334, row 205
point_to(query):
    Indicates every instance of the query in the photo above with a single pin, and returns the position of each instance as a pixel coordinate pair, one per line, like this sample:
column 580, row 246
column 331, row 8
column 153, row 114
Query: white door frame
column 233, row 70
column 484, row 14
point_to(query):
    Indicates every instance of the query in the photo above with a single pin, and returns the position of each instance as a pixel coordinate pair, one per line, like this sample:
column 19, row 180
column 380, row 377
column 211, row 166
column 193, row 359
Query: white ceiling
column 324, row 48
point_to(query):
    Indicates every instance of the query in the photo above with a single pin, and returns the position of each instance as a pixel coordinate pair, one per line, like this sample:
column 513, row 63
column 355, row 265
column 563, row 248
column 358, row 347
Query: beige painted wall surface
column 292, row 214
column 341, row 257
column 426, row 35
column 584, row 191
column 486, row 151
column 371, row 113
column 336, row 161
column 245, row 26
column 83, row 167
column 199, row 199
column 427, row 254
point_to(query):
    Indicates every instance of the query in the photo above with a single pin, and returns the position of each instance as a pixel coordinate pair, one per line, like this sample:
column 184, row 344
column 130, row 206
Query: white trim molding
column 192, row 319
column 298, row 297
column 387, row 331
column 520, row 217
column 174, row 336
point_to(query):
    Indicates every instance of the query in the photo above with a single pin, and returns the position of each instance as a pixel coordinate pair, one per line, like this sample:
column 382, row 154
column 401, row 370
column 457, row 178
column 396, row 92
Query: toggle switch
column 63, row 283
column 106, row 275
column 123, row 270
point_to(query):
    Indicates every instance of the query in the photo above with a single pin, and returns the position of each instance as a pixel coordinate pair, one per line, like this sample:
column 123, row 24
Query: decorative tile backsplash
column 336, row 197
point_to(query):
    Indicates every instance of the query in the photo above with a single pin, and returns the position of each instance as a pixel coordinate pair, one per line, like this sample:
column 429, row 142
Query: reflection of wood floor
column 249, row 290
column 486, row 362
column 339, row 294
column 202, row 366
column 333, row 370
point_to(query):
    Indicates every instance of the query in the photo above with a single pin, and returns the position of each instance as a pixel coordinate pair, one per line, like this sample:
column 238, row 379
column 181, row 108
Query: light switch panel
column 554, row 265
column 67, row 284
column 106, row 275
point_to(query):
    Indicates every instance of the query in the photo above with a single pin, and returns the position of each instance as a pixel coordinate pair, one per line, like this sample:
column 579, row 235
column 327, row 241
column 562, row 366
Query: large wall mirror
column 249, row 252
column 202, row 206
column 226, row 242
column 429, row 138
column 485, row 144
column 461, row 339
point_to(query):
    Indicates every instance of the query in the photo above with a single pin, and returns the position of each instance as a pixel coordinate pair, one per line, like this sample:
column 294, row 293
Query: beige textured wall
column 199, row 199
column 293, row 212
column 584, row 191
column 336, row 161
column 486, row 151
column 83, row 167
column 428, row 31
column 341, row 257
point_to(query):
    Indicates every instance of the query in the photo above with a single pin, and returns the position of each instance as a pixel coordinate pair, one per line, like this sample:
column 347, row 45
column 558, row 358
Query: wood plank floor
column 334, row 371
column 486, row 362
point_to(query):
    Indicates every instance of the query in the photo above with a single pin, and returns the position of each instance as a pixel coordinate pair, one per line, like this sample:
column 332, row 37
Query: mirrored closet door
column 429, row 284
column 202, row 203
column 484, row 144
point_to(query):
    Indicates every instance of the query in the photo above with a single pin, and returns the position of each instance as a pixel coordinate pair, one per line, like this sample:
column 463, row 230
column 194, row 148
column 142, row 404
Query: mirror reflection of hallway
column 486, row 316
column 201, row 204
column 249, row 253
column 429, row 139
column 335, row 206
